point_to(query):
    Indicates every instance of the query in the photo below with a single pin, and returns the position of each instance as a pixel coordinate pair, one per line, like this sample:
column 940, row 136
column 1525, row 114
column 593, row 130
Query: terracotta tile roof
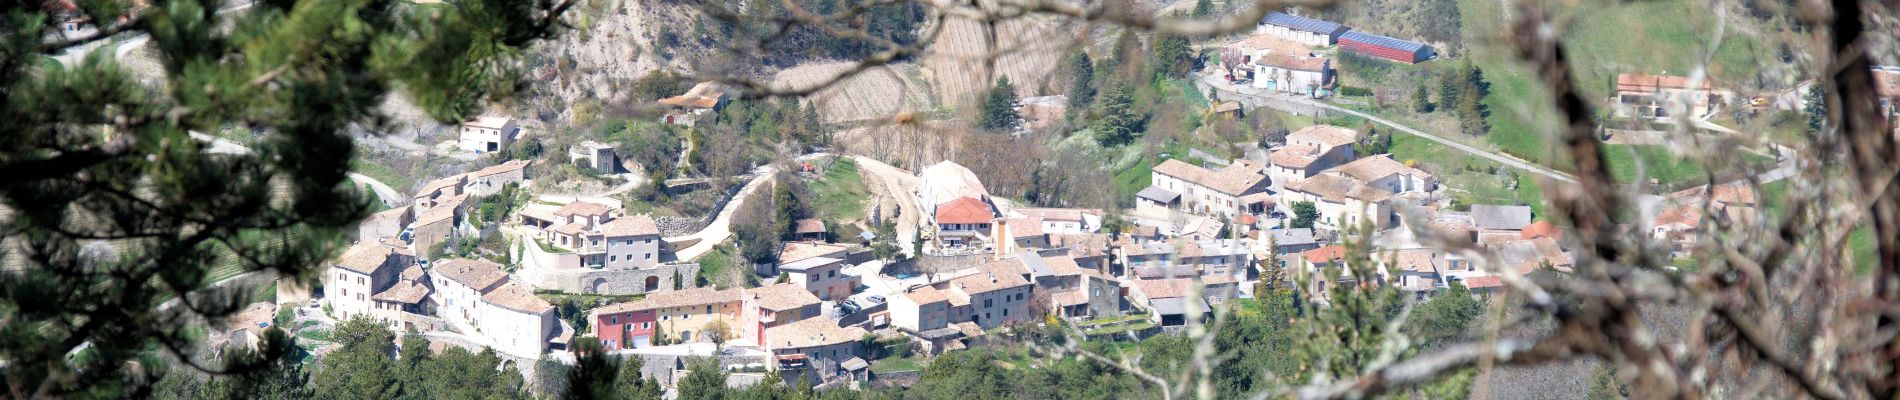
column 1324, row 254
column 631, row 225
column 583, row 208
column 405, row 292
column 1218, row 279
column 515, row 296
column 1081, row 244
column 1511, row 218
column 477, row 274
column 926, row 295
column 1484, row 282
column 781, row 297
column 413, row 273
column 1732, row 194
column 1541, row 229
column 571, row 228
column 1417, row 260
column 1024, row 227
column 678, row 298
column 965, row 210
column 365, row 257
column 1690, row 215
column 799, row 251
column 1294, row 156
column 1062, row 266
column 1233, row 180
column 1337, row 189
column 1374, row 168
column 510, row 166
column 1527, row 255
column 1164, row 288
column 969, row 329
column 996, row 275
column 1326, row 135
column 811, row 332
column 808, row 225
column 437, row 185
column 1070, row 298
column 1652, row 83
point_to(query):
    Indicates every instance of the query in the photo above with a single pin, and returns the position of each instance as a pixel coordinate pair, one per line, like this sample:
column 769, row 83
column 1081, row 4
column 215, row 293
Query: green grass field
column 1470, row 175
column 383, row 173
column 841, row 192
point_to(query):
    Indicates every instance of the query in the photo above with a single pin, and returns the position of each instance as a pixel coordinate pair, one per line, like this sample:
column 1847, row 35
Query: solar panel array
column 1301, row 23
column 1382, row 41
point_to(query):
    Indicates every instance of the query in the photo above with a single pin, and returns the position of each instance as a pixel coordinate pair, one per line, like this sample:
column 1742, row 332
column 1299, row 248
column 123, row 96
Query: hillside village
column 1204, row 231
column 852, row 237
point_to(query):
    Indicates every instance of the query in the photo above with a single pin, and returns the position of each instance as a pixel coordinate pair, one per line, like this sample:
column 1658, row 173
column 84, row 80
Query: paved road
column 721, row 227
column 1255, row 96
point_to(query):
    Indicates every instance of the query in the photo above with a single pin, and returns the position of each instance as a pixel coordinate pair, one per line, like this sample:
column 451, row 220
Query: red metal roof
column 965, row 210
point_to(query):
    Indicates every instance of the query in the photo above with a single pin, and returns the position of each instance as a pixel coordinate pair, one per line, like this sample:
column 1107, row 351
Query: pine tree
column 1174, row 57
column 1815, row 108
column 1421, row 99
column 1081, row 81
column 89, row 140
column 1304, row 213
column 999, row 108
column 1115, row 122
column 1450, row 85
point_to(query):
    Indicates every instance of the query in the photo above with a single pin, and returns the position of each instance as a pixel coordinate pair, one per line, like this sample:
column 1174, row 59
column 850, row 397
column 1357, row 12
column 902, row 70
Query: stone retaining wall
column 617, row 282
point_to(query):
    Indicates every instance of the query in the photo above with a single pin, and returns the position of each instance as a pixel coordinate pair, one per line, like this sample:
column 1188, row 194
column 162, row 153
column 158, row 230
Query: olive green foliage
column 88, row 140
column 363, row 368
column 600, row 376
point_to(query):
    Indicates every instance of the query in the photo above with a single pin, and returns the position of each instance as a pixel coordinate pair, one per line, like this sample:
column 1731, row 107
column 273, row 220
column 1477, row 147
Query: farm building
column 1306, row 31
column 1404, row 51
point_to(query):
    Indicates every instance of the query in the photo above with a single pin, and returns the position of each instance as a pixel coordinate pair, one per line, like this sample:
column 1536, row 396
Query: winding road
column 720, row 229
column 1253, row 97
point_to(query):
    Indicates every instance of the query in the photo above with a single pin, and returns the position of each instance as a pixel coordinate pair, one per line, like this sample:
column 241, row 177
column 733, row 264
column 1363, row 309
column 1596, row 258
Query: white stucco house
column 487, row 134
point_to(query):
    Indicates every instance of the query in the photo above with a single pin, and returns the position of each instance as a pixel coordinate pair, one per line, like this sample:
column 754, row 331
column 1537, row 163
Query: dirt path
column 721, row 227
column 894, row 195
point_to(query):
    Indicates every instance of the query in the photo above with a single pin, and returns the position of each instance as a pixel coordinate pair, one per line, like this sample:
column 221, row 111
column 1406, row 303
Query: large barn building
column 1404, row 51
column 1306, row 31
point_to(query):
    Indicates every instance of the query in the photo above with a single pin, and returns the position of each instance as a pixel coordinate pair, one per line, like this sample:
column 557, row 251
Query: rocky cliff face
column 613, row 43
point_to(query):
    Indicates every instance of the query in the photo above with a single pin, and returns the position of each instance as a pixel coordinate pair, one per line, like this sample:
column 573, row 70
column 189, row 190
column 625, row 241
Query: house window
column 359, row 280
column 986, row 303
column 649, row 256
column 616, row 320
column 613, row 258
column 831, row 274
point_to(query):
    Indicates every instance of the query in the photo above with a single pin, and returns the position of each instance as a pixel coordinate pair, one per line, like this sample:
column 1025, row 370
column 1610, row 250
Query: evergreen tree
column 1115, row 122
column 89, row 140
column 1450, row 86
column 1081, row 81
column 1174, row 57
column 999, row 108
column 1421, row 99
column 1445, row 317
column 1304, row 213
column 631, row 384
column 360, row 367
column 704, row 381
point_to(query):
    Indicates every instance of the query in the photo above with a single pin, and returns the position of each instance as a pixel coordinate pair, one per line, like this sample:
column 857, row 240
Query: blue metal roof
column 1301, row 23
column 1382, row 41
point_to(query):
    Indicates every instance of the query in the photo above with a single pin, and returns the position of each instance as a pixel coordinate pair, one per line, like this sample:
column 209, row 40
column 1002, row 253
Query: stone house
column 1311, row 150
column 1211, row 192
column 365, row 269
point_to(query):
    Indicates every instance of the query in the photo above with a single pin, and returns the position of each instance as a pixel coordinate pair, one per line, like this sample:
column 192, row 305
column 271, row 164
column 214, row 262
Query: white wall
column 516, row 333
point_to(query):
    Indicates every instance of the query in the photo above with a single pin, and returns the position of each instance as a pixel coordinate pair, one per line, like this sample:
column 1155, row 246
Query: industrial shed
column 1302, row 30
column 1404, row 51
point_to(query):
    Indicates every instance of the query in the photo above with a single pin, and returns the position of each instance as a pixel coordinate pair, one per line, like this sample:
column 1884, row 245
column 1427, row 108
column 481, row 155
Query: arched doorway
column 652, row 284
column 599, row 286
